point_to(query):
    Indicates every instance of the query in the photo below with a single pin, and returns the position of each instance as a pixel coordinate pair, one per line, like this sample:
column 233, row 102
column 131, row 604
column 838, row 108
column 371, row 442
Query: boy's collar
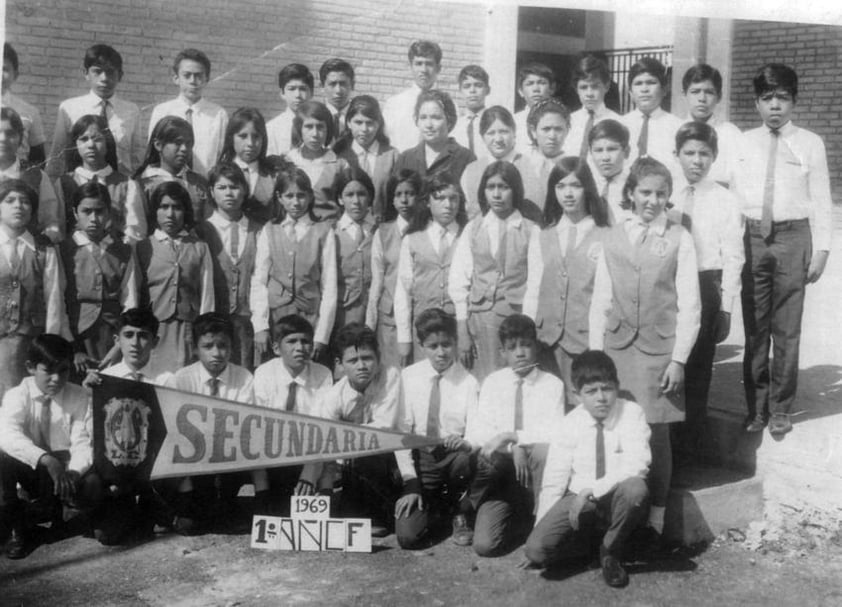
column 24, row 236
column 205, row 375
column 186, row 102
column 82, row 239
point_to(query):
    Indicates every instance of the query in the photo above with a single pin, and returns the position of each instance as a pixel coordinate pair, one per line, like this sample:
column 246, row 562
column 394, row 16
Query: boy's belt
column 779, row 226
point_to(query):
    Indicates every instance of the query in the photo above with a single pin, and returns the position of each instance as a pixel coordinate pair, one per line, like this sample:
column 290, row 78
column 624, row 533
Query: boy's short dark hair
column 15, row 121
column 231, row 172
column 774, row 76
column 425, row 48
column 700, row 73
column 610, row 129
column 296, row 71
column 91, row 189
column 139, row 317
column 356, row 335
column 192, row 54
column 535, row 69
column 435, row 320
column 212, row 322
column 50, row 350
column 336, row 65
column 103, row 55
column 696, row 131
column 10, row 55
column 517, row 326
column 589, row 67
column 592, row 366
column 290, row 324
column 648, row 65
column 473, row 71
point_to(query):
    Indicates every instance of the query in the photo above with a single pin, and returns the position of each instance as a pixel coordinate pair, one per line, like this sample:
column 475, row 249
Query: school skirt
column 640, row 380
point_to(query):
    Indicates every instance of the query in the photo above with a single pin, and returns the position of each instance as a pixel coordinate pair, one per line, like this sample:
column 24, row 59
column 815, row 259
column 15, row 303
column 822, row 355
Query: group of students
column 494, row 275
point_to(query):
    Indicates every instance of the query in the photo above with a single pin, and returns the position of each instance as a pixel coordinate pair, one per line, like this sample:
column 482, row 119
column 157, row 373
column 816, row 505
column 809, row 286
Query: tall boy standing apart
column 103, row 70
column 191, row 72
column 399, row 110
column 784, row 184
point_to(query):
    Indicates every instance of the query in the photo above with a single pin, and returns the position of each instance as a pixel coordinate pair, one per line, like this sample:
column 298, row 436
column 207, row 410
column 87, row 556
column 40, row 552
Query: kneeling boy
column 596, row 470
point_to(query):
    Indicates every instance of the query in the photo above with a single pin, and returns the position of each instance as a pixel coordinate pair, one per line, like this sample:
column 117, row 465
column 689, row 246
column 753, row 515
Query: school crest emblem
column 126, row 431
column 594, row 251
column 659, row 247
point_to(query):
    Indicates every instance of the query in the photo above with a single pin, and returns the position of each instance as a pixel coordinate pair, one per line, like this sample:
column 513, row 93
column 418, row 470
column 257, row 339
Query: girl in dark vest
column 562, row 265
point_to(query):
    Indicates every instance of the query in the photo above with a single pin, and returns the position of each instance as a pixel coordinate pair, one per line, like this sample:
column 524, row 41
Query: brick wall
column 248, row 41
column 815, row 51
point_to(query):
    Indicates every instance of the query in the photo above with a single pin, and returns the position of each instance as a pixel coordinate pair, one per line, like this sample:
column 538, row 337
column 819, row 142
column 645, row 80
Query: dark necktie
column 519, row 404
column 291, row 394
column 103, row 112
column 44, row 424
column 235, row 242
column 188, row 115
column 434, row 408
column 337, row 125
column 583, row 150
column 214, row 386
column 471, row 119
column 769, row 186
column 643, row 140
column 600, row 451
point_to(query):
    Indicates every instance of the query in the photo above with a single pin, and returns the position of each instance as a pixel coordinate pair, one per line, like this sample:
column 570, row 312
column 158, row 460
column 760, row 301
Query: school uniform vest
column 117, row 185
column 22, row 308
column 231, row 280
column 644, row 296
column 173, row 280
column 354, row 280
column 429, row 281
column 499, row 284
column 390, row 238
column 93, row 282
column 260, row 206
column 566, row 290
column 296, row 270
column 195, row 185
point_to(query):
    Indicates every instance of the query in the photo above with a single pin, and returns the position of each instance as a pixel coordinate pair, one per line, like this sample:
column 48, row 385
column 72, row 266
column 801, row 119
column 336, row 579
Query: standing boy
column 337, row 78
column 438, row 395
column 535, row 83
column 609, row 143
column 784, row 184
column 103, row 69
column 296, row 83
column 473, row 84
column 32, row 145
column 596, row 472
column 191, row 73
column 399, row 110
column 591, row 79
column 519, row 409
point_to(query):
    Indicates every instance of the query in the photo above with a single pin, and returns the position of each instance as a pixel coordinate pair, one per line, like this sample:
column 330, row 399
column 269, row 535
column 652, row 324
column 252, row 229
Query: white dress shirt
column 460, row 132
column 717, row 230
column 802, row 184
column 729, row 143
column 352, row 228
column 124, row 371
column 399, row 119
column 259, row 294
column 380, row 406
column 543, row 407
column 279, row 130
column 20, row 419
column 225, row 227
column 33, row 126
column 235, row 382
column 571, row 460
column 209, row 122
column 458, row 390
column 123, row 121
column 251, row 170
column 378, row 274
column 314, row 167
column 535, row 258
column 129, row 296
column 51, row 215
column 578, row 121
column 614, row 192
column 686, row 287
column 523, row 142
column 661, row 136
column 406, row 276
column 272, row 380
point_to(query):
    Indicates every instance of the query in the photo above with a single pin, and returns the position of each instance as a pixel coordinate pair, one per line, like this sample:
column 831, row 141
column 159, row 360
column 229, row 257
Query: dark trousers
column 39, row 485
column 774, row 278
column 502, row 505
column 620, row 511
column 370, row 487
column 699, row 368
column 444, row 478
column 243, row 346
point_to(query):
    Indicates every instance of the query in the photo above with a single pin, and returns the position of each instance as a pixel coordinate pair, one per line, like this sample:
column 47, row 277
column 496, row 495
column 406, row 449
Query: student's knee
column 488, row 542
column 412, row 533
column 633, row 491
column 536, row 550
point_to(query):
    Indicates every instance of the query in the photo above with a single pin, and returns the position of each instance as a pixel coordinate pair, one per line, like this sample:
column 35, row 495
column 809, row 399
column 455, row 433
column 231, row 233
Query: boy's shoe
column 612, row 571
column 780, row 424
column 463, row 535
column 755, row 424
column 184, row 526
column 16, row 546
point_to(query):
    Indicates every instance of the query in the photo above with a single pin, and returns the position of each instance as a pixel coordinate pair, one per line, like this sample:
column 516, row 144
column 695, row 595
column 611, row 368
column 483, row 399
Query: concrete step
column 707, row 501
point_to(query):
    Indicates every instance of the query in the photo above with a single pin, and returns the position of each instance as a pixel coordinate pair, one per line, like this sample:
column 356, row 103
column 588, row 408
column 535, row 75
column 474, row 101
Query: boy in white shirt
column 296, row 83
column 591, row 79
column 438, row 395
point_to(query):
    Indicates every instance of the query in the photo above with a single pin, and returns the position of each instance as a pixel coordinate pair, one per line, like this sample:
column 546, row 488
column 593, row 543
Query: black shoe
column 16, row 546
column 612, row 571
column 780, row 424
column 755, row 424
column 463, row 535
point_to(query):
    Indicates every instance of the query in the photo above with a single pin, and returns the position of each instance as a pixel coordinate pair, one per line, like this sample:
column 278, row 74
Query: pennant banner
column 145, row 431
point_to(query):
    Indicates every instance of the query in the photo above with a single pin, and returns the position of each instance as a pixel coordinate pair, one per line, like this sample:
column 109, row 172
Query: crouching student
column 438, row 394
column 368, row 394
column 519, row 409
column 212, row 375
column 595, row 473
column 45, row 445
column 290, row 382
